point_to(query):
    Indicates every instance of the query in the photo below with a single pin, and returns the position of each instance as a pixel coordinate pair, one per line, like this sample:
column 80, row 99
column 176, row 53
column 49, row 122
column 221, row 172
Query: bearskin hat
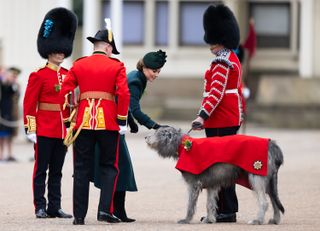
column 57, row 32
column 221, row 27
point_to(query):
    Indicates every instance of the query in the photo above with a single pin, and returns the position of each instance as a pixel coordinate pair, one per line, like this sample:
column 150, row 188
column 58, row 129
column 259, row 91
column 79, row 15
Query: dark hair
column 140, row 65
column 15, row 70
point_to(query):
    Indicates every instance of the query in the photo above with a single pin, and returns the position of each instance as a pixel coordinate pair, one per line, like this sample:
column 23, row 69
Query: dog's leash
column 194, row 126
column 189, row 131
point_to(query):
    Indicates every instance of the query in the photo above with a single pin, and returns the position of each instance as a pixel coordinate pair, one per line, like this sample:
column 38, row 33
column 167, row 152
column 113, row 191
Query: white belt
column 229, row 91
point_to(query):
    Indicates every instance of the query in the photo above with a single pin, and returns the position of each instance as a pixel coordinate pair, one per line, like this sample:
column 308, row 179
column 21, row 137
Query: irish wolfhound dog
column 167, row 140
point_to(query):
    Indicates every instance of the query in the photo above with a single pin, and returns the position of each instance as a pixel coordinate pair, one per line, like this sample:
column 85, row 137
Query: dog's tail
column 277, row 154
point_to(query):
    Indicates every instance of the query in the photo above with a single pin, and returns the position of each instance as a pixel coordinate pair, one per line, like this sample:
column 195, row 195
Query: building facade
column 287, row 31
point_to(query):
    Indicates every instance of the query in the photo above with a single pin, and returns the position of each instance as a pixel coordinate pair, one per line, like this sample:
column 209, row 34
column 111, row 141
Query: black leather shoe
column 226, row 217
column 102, row 216
column 127, row 219
column 60, row 214
column 41, row 213
column 124, row 218
column 78, row 221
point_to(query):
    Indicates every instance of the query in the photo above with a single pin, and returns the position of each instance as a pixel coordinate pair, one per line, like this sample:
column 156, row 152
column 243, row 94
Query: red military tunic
column 102, row 114
column 43, row 89
column 223, row 103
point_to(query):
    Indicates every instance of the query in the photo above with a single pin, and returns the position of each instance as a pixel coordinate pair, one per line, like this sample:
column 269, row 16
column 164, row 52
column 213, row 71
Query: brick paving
column 161, row 199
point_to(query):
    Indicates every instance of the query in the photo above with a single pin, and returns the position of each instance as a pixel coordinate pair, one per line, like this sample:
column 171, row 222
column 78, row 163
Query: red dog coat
column 247, row 152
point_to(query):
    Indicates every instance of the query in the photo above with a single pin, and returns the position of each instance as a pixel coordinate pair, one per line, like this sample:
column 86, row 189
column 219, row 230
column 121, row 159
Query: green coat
column 126, row 180
column 137, row 83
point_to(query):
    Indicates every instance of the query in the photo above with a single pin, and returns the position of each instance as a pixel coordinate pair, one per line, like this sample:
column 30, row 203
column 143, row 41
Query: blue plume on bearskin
column 48, row 24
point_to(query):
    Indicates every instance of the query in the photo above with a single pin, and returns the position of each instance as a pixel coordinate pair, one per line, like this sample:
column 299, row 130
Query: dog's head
column 165, row 141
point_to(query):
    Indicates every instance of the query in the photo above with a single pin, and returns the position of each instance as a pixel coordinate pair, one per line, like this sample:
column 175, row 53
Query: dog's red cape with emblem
column 247, row 152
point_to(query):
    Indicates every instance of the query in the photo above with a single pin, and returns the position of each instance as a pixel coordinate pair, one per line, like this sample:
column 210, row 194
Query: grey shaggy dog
column 166, row 141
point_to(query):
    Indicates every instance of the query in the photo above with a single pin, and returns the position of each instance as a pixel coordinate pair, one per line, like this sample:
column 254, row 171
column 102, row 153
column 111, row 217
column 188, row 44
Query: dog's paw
column 255, row 222
column 184, row 221
column 206, row 220
column 273, row 222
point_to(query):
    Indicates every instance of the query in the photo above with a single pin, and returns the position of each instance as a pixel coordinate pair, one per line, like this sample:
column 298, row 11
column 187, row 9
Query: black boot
column 119, row 210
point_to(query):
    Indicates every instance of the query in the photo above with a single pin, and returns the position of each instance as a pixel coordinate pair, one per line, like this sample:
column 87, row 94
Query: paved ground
column 161, row 199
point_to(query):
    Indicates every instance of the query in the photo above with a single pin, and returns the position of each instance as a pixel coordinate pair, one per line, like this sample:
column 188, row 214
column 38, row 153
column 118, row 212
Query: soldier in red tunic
column 43, row 118
column 222, row 108
column 99, row 120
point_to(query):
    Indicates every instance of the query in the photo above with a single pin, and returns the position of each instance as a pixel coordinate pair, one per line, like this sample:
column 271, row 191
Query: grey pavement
column 161, row 199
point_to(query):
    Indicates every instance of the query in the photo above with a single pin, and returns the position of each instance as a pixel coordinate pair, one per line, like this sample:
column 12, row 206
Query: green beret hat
column 155, row 60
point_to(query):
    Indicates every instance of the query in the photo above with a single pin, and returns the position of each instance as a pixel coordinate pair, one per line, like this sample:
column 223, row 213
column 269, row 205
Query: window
column 191, row 29
column 272, row 24
column 133, row 23
column 161, row 23
column 78, row 9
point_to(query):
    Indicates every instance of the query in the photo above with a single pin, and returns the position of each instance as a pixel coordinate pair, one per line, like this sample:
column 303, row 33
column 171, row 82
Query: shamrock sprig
column 57, row 87
column 187, row 144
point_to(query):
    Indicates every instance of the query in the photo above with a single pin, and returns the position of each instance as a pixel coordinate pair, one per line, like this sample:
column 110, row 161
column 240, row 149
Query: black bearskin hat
column 57, row 32
column 221, row 27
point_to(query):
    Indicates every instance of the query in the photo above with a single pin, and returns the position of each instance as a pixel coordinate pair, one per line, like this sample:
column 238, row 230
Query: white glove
column 246, row 93
column 32, row 137
column 123, row 130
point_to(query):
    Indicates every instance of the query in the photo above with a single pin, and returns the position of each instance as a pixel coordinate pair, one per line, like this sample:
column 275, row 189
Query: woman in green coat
column 148, row 69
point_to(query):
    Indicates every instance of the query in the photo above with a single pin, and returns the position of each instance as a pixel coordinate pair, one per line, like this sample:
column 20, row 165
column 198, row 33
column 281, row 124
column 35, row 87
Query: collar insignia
column 257, row 165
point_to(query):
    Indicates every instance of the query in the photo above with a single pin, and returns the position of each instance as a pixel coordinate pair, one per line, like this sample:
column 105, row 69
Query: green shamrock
column 187, row 144
column 57, row 87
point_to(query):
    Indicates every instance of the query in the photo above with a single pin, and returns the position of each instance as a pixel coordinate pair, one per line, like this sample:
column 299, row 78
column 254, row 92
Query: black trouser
column 228, row 202
column 83, row 156
column 119, row 204
column 49, row 153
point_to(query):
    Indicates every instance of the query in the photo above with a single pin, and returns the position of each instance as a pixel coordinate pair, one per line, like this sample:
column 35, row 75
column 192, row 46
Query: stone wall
column 286, row 101
column 279, row 101
column 172, row 98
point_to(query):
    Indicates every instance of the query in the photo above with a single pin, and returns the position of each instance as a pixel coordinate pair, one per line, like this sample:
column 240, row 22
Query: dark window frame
column 273, row 41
